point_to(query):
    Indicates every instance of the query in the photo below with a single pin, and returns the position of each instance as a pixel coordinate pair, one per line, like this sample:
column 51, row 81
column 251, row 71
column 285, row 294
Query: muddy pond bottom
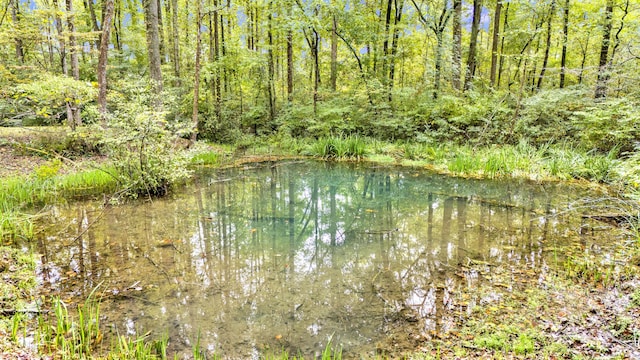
column 288, row 256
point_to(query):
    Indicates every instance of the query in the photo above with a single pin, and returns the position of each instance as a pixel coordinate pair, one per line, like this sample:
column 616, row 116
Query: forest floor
column 562, row 314
column 14, row 161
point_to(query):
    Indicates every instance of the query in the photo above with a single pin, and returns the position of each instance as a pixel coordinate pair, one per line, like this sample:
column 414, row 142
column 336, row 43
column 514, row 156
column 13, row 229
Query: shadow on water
column 287, row 255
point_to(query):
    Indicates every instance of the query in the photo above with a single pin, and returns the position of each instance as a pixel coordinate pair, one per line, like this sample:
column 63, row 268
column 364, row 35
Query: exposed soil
column 12, row 163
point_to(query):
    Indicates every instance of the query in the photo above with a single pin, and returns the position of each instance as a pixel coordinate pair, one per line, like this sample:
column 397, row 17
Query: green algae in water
column 288, row 255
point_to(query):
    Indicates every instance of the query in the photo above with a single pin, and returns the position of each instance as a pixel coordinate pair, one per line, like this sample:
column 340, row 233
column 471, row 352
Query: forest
column 481, row 72
column 128, row 103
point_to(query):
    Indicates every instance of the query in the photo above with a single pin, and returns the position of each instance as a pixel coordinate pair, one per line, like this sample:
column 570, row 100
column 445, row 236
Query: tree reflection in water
column 287, row 255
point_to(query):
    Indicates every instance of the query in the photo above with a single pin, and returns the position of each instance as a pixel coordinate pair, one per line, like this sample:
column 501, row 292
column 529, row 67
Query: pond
column 291, row 255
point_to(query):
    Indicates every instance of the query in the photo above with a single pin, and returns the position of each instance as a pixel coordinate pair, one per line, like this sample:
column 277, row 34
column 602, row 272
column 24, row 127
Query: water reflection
column 287, row 255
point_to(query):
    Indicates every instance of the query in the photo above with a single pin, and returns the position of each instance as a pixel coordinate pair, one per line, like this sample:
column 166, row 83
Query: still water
column 289, row 255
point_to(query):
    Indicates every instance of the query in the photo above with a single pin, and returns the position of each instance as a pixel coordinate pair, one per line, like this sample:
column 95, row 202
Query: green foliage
column 46, row 97
column 48, row 170
column 209, row 158
column 614, row 123
column 350, row 147
column 523, row 345
column 145, row 150
column 547, row 116
column 635, row 298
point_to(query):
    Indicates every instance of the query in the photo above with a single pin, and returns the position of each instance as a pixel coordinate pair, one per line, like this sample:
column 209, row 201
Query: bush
column 547, row 116
column 145, row 150
column 611, row 124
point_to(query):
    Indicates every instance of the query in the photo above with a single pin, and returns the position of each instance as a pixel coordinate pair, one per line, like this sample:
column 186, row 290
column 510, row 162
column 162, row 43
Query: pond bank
column 530, row 324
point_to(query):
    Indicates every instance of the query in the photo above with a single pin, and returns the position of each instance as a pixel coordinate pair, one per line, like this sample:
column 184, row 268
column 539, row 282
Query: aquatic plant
column 350, row 147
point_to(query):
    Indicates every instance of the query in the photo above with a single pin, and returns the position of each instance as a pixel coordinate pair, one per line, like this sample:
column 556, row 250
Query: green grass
column 209, row 158
column 350, row 147
column 19, row 194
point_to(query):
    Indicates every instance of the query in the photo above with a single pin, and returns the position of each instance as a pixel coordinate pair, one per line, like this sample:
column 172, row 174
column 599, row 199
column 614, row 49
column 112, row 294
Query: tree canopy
column 391, row 68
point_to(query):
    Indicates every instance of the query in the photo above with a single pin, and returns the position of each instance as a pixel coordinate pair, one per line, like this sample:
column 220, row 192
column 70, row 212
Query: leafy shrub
column 547, row 116
column 46, row 97
column 611, row 124
column 145, row 150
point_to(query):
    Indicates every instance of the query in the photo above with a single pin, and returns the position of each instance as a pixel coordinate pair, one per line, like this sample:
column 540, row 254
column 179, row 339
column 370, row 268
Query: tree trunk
column 603, row 69
column 505, row 26
column 196, row 79
column 61, row 42
column 565, row 40
column 94, row 20
column 456, row 68
column 438, row 64
column 216, row 51
column 176, row 40
column 438, row 29
column 163, row 46
column 153, row 48
column 473, row 44
column 394, row 44
column 494, row 43
column 63, row 54
column 547, row 48
column 385, row 43
column 289, row 59
column 334, row 52
column 15, row 17
column 75, row 66
column 270, row 64
column 117, row 26
column 102, row 61
column 316, row 61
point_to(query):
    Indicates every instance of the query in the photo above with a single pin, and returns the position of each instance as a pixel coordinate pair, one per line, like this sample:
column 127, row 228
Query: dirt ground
column 13, row 160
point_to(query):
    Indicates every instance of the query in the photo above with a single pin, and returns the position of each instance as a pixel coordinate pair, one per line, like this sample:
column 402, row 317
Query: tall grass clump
column 350, row 147
column 208, row 158
column 78, row 336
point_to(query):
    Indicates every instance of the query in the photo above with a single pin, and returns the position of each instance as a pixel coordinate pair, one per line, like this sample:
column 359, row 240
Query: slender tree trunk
column 249, row 25
column 399, row 4
column 176, row 40
column 102, row 61
column 75, row 66
column 438, row 29
column 61, row 42
column 456, row 69
column 94, row 19
column 334, row 51
column 223, row 47
column 473, row 44
column 169, row 32
column 216, row 51
column 15, row 17
column 603, row 69
column 163, row 46
column 153, row 48
column 196, row 79
column 270, row 64
column 117, row 26
column 504, row 29
column 63, row 54
column 494, row 43
column 316, row 61
column 50, row 36
column 289, row 59
column 385, row 43
column 213, row 56
column 438, row 64
column 565, row 40
column 256, row 28
column 547, row 48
